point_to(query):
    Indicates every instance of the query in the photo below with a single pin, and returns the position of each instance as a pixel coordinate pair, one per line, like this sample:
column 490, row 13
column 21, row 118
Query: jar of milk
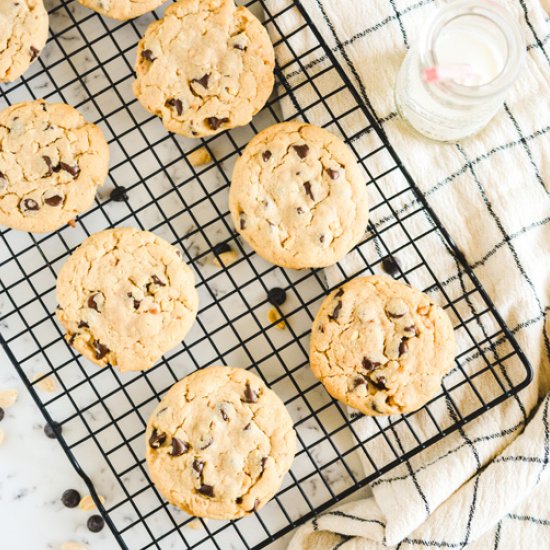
column 455, row 78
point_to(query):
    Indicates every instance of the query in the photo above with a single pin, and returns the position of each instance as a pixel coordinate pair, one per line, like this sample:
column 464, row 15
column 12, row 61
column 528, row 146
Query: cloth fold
column 492, row 193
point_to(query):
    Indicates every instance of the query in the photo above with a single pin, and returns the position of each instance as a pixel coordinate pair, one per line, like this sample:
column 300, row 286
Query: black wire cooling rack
column 102, row 414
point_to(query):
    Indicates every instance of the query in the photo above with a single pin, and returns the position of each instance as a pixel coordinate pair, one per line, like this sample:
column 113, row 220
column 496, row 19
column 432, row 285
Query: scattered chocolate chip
column 148, row 54
column 221, row 248
column 73, row 170
column 119, row 194
column 300, row 210
column 100, row 350
column 203, row 81
column 307, row 187
column 177, row 104
column 49, row 164
column 198, row 466
column 44, row 107
column 53, row 430
column 70, row 498
column 379, row 383
column 215, row 122
column 242, row 221
column 206, row 490
column 136, row 302
column 358, row 381
column 179, row 447
column 239, row 500
column 339, row 293
column 157, row 439
column 301, row 150
column 403, row 347
column 266, row 155
column 276, row 296
column 247, row 427
column 95, row 523
column 333, row 174
column 2, row 413
column 56, row 200
column 72, row 339
column 157, row 281
column 94, row 301
column 34, row 53
column 336, row 311
column 322, row 239
column 369, row 365
column 391, row 266
column 30, row 205
column 83, row 324
column 250, row 396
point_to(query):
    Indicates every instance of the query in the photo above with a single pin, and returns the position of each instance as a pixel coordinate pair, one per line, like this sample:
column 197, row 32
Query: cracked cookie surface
column 219, row 443
column 381, row 346
column 23, row 34
column 125, row 298
column 207, row 66
column 122, row 9
column 51, row 163
column 297, row 196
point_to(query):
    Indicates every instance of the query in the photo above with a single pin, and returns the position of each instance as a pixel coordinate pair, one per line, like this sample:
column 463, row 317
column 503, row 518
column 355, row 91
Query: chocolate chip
column 3, row 181
column 333, row 174
column 30, row 205
column 203, row 81
column 95, row 523
column 395, row 315
column 403, row 347
column 380, row 383
column 215, row 122
column 56, row 200
column 263, row 462
column 336, row 311
column 119, row 194
column 239, row 500
column 34, row 53
column 247, row 427
column 206, row 490
column 95, row 300
column 391, row 266
column 339, row 293
column 276, row 296
column 307, row 187
column 242, row 221
column 322, row 239
column 250, row 396
column 240, row 47
column 256, row 505
column 301, row 150
column 179, row 447
column 73, row 170
column 157, row 281
column 300, row 210
column 83, row 324
column 198, row 466
column 2, row 414
column 221, row 248
column 358, row 381
column 266, row 155
column 223, row 412
column 100, row 350
column 53, row 430
column 70, row 498
column 157, row 439
column 49, row 164
column 369, row 365
column 136, row 302
column 411, row 330
column 174, row 102
column 148, row 54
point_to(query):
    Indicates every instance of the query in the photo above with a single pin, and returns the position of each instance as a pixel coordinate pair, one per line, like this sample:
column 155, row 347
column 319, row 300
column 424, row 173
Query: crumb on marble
column 8, row 398
column 87, row 503
column 200, row 157
column 47, row 384
column 274, row 316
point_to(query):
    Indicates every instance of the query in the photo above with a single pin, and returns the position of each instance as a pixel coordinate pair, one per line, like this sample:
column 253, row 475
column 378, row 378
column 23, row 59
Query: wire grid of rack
column 88, row 63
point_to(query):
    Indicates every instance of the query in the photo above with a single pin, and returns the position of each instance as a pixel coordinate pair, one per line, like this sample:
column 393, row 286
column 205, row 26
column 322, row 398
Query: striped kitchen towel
column 486, row 485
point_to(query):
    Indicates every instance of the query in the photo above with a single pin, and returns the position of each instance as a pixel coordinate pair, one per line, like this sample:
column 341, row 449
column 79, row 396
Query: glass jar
column 454, row 80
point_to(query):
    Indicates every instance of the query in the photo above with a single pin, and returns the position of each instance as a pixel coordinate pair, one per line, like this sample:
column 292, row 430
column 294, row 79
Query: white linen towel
column 483, row 486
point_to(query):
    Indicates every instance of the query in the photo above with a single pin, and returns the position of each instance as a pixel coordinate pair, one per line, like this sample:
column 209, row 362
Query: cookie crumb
column 274, row 316
column 72, row 545
column 225, row 258
column 72, row 223
column 47, row 384
column 87, row 503
column 200, row 157
column 8, row 398
column 195, row 524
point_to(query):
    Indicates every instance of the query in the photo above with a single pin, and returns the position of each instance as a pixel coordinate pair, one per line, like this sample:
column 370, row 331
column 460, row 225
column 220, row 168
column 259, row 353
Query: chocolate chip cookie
column 125, row 298
column 219, row 443
column 297, row 196
column 122, row 9
column 23, row 34
column 205, row 67
column 51, row 163
column 381, row 346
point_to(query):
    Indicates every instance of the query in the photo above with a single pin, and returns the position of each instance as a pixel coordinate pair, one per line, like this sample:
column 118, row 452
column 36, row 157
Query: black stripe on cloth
column 538, row 521
column 401, row 26
column 342, row 542
column 546, row 439
column 497, row 535
column 532, row 28
column 345, row 515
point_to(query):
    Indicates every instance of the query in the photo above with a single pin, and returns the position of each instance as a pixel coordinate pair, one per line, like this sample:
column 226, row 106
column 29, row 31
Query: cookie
column 51, row 163
column 297, row 196
column 381, row 346
column 23, row 34
column 122, row 9
column 125, row 298
column 219, row 443
column 207, row 66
